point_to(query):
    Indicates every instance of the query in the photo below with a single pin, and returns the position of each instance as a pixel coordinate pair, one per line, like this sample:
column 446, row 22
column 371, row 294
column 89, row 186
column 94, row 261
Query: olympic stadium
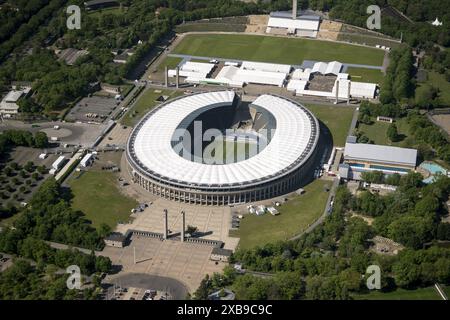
column 164, row 147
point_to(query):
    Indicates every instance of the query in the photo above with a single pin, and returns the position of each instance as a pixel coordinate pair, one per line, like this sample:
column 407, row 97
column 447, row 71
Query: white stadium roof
column 150, row 148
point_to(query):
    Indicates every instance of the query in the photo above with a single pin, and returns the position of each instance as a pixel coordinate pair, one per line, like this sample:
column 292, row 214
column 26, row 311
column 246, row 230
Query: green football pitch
column 276, row 49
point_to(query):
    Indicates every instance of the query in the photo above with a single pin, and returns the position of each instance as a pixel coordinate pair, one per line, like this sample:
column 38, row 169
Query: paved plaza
column 185, row 262
column 212, row 222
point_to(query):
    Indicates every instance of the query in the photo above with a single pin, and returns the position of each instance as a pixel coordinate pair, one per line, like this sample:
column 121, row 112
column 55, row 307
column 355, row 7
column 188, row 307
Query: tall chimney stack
column 294, row 9
column 166, row 227
column 183, row 225
column 178, row 77
column 337, row 92
column 166, row 77
column 349, row 86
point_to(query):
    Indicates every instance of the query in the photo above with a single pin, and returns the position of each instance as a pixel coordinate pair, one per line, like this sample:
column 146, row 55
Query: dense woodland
column 329, row 262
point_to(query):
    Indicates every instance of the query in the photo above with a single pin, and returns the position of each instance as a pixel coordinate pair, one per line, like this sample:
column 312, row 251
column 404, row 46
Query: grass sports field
column 295, row 216
column 337, row 119
column 221, row 151
column 96, row 194
column 276, row 49
column 429, row 293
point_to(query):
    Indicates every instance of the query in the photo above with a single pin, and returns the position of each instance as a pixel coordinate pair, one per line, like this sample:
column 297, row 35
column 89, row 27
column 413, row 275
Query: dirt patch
column 257, row 24
column 329, row 30
column 443, row 121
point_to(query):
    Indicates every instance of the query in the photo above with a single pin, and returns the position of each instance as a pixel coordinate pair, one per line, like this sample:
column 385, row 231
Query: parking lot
column 169, row 265
column 93, row 109
column 135, row 293
column 83, row 134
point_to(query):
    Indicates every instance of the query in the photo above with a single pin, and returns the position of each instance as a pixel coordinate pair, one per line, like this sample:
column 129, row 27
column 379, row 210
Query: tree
column 191, row 230
column 40, row 140
column 29, row 166
column 425, row 96
column 202, row 291
column 373, row 176
column 392, row 133
column 411, row 231
column 393, row 179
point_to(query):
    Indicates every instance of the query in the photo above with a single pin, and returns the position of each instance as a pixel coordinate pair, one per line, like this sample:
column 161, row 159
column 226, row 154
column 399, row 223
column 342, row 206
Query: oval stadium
column 267, row 148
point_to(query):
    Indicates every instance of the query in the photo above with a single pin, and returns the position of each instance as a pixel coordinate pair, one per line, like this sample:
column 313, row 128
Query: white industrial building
column 361, row 157
column 191, row 69
column 291, row 23
column 9, row 106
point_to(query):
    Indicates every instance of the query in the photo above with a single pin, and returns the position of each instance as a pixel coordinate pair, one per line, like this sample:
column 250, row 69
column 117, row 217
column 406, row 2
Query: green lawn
column 337, row 119
column 146, row 102
column 438, row 81
column 365, row 75
column 276, row 49
column 228, row 151
column 295, row 216
column 429, row 293
column 96, row 194
column 377, row 131
column 170, row 62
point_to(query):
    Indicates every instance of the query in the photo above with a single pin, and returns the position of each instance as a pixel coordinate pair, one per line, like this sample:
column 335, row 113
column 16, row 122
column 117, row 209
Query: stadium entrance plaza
column 185, row 262
column 212, row 222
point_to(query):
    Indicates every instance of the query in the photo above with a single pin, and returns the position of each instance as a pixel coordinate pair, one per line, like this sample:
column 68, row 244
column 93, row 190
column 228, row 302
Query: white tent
column 319, row 67
column 296, row 85
column 300, row 74
column 333, row 67
column 436, row 23
column 269, row 67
